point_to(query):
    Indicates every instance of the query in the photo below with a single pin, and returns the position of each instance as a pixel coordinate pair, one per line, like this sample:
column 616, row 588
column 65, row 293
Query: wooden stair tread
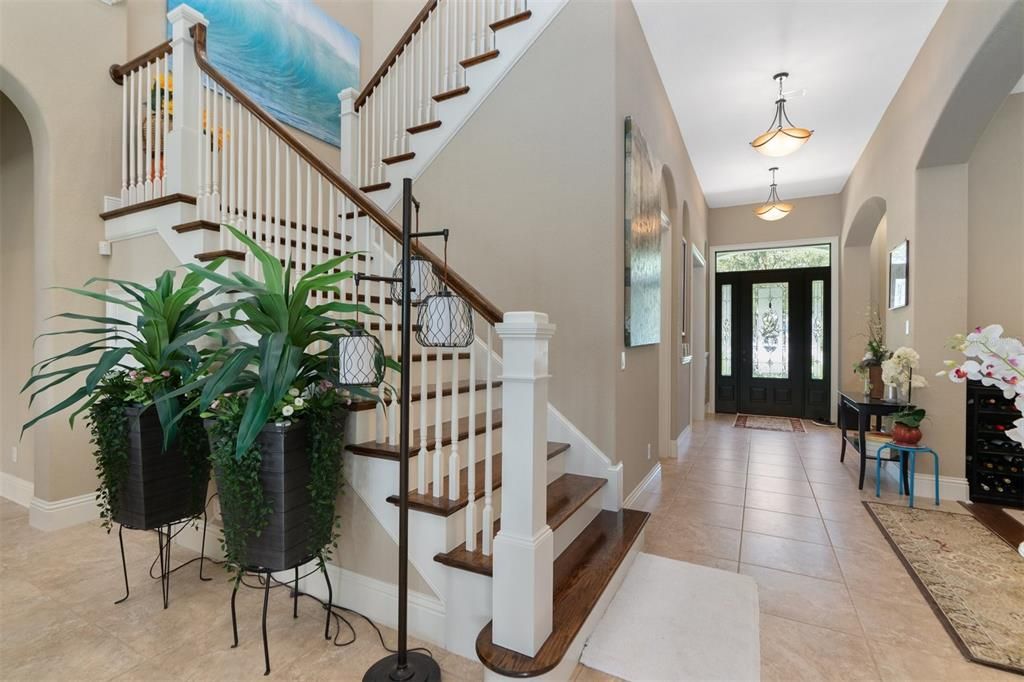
column 214, row 226
column 451, row 94
column 511, row 21
column 443, row 506
column 388, row 451
column 446, row 390
column 565, row 495
column 581, row 574
column 230, row 254
column 423, row 127
column 398, row 158
column 148, row 204
column 479, row 59
column 375, row 188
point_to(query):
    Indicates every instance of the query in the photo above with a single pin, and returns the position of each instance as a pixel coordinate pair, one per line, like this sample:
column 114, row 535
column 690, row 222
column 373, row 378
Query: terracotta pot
column 875, row 377
column 906, row 435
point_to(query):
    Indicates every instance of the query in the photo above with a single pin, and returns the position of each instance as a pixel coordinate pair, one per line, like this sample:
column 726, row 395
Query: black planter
column 159, row 488
column 285, row 474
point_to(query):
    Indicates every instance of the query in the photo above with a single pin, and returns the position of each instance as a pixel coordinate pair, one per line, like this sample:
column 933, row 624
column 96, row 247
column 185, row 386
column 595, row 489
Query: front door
column 773, row 342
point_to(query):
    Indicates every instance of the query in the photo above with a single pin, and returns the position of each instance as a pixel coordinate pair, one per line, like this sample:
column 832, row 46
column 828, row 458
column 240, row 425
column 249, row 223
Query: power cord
column 336, row 611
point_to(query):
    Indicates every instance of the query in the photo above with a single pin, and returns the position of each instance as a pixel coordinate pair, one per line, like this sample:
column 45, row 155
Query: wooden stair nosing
column 446, row 390
column 423, row 127
column 511, row 21
column 375, row 188
column 398, row 158
column 581, row 574
column 419, row 357
column 479, row 59
column 565, row 495
column 444, row 506
column 140, row 206
column 214, row 226
column 230, row 254
column 451, row 94
column 388, row 451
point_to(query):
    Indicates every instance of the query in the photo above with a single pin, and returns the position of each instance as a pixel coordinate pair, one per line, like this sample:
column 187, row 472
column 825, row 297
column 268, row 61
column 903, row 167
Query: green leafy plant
column 164, row 323
column 109, row 429
column 910, row 416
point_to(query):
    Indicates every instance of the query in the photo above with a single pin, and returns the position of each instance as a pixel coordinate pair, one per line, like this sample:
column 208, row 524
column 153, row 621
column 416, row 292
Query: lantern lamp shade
column 445, row 321
column 781, row 141
column 776, row 210
column 360, row 359
column 423, row 282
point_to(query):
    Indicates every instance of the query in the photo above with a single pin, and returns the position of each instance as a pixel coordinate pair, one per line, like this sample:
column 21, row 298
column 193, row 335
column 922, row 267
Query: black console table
column 855, row 412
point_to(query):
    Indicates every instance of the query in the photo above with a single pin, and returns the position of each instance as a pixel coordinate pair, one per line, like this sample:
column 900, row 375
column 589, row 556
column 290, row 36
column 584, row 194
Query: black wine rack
column 995, row 463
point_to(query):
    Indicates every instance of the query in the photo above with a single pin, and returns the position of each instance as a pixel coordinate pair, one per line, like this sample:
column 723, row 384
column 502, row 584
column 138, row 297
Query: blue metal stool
column 911, row 452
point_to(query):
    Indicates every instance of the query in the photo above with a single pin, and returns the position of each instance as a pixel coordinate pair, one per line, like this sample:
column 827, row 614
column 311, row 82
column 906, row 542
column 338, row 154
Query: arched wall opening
column 17, row 294
column 671, row 320
column 864, row 278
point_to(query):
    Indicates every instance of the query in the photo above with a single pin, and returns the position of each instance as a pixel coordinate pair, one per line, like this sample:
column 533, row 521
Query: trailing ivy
column 326, row 419
column 195, row 449
column 108, row 425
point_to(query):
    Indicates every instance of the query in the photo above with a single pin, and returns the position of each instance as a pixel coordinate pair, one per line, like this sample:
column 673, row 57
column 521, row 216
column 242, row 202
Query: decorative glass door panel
column 770, row 338
column 818, row 329
column 725, row 342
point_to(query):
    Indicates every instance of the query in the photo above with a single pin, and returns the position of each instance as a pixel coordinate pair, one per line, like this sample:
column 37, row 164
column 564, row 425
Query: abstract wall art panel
column 287, row 55
column 643, row 242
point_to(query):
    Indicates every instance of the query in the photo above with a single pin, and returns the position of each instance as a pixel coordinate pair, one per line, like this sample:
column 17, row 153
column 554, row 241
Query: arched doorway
column 671, row 319
column 17, row 287
column 864, row 282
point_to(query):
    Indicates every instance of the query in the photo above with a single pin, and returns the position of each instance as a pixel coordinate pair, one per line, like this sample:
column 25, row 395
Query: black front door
column 773, row 342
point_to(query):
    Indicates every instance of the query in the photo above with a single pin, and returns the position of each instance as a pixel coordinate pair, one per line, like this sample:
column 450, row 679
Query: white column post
column 182, row 150
column 349, row 134
column 524, row 547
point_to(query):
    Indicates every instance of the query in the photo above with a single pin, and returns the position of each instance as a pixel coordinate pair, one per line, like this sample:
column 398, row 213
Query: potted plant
column 274, row 417
column 898, row 374
column 151, row 457
column 906, row 425
column 869, row 368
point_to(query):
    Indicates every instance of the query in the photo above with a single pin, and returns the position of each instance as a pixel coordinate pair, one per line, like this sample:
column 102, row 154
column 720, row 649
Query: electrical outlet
column 14, row 453
column 622, row 362
column 648, row 451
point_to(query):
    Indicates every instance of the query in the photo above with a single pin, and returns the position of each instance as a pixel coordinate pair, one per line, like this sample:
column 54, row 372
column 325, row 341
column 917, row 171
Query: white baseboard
column 15, row 489
column 378, row 601
column 71, row 511
column 654, row 473
column 950, row 487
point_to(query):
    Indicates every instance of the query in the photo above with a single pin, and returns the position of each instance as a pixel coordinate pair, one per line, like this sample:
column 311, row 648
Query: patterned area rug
column 751, row 421
column 973, row 580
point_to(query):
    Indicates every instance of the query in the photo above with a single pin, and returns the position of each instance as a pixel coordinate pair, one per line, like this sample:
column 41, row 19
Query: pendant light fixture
column 782, row 137
column 361, row 361
column 423, row 282
column 773, row 208
column 445, row 319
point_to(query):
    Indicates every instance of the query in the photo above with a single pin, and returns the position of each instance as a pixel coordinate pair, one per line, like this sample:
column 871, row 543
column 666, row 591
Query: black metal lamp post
column 404, row 666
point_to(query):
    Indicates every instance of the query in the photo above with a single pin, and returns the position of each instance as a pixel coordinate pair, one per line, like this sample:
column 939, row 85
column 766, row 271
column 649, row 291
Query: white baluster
column 438, row 426
column 166, row 99
column 229, row 166
column 216, row 139
column 307, row 240
column 286, row 217
column 278, row 246
column 125, row 124
column 297, row 249
column 471, row 455
column 396, row 316
column 487, row 522
column 129, row 84
column 259, row 212
column 448, row 52
column 320, row 226
column 454, row 465
column 422, row 463
column 147, row 134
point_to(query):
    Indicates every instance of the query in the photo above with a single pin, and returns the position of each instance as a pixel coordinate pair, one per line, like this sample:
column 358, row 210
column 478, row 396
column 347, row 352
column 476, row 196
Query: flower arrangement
column 898, row 370
column 994, row 360
column 875, row 351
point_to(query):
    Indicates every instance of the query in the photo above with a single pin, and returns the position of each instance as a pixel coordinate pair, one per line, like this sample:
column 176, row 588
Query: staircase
column 516, row 522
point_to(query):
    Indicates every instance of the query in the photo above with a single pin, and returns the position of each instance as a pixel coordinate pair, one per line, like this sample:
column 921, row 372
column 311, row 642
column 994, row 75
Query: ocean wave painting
column 287, row 55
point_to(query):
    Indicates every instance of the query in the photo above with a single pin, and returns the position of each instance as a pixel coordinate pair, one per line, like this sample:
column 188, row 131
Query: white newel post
column 349, row 134
column 524, row 547
column 182, row 162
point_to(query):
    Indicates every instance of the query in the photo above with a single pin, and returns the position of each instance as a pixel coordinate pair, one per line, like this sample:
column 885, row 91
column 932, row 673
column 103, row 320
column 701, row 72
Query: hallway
column 835, row 601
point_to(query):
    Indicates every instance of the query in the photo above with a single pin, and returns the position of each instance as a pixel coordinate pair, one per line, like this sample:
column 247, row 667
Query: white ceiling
column 716, row 60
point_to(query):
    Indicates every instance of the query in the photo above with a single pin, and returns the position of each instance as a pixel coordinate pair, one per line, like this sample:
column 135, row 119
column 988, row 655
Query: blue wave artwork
column 287, row 55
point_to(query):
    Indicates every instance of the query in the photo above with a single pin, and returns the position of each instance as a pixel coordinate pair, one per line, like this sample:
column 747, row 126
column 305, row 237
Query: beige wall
column 812, row 217
column 16, row 291
column 963, row 72
column 538, row 221
column 880, row 270
column 995, row 216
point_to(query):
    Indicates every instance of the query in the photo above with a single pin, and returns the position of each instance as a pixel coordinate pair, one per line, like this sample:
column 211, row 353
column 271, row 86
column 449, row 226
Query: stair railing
column 424, row 68
column 246, row 169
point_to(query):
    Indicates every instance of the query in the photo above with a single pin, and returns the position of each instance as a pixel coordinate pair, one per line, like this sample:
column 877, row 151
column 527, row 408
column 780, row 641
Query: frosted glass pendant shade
column 360, row 359
column 774, row 211
column 781, row 141
column 445, row 321
column 423, row 281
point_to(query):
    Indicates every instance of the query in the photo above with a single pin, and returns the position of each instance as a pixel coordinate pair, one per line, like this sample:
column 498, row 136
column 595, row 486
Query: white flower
column 293, row 391
column 287, row 410
column 299, row 403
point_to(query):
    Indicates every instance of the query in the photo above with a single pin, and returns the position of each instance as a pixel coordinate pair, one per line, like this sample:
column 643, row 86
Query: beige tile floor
column 835, row 601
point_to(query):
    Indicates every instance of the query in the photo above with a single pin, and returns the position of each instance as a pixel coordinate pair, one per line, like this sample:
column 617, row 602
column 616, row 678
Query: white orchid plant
column 898, row 370
column 993, row 360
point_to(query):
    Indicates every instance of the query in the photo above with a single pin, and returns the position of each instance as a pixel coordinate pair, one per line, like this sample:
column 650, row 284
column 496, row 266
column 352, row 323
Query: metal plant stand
column 164, row 536
column 266, row 575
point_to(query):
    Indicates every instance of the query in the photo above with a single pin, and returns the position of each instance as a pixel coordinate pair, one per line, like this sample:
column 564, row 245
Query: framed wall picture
column 899, row 275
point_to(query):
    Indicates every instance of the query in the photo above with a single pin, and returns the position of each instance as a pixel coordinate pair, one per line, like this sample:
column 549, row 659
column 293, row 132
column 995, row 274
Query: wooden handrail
column 397, row 50
column 456, row 283
column 118, row 71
